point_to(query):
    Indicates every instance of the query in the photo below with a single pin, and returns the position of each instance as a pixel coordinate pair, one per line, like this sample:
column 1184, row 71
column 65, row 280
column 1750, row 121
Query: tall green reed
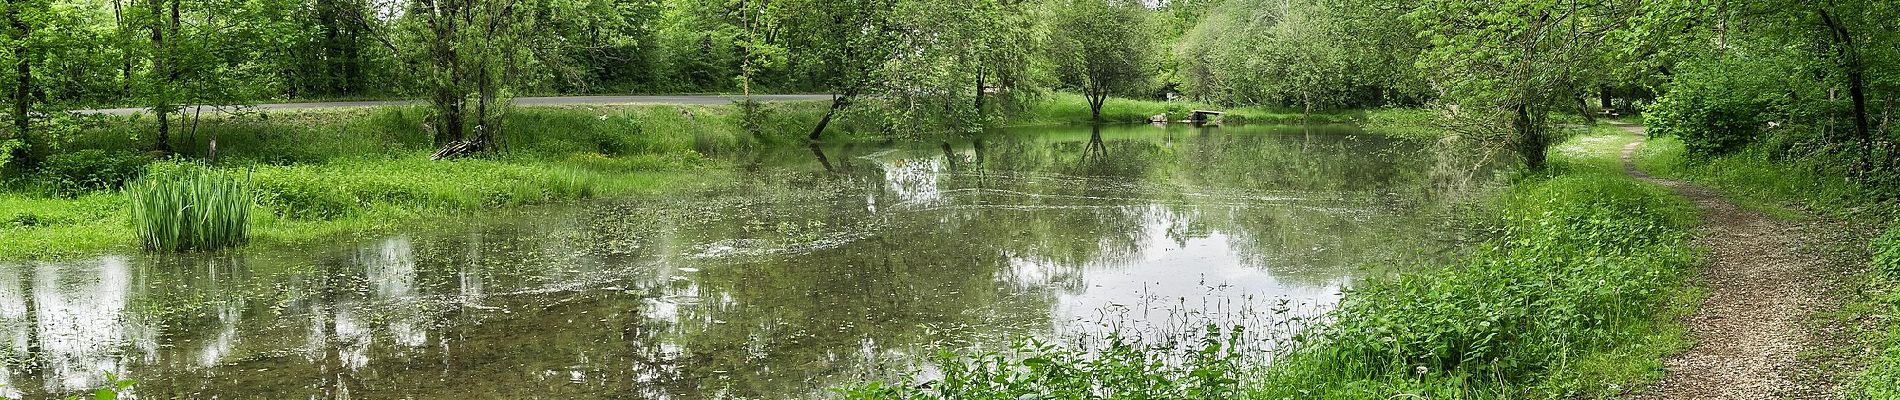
column 189, row 209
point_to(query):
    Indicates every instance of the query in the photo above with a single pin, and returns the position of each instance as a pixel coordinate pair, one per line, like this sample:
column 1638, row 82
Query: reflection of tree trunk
column 820, row 153
column 34, row 357
column 949, row 156
column 977, row 147
column 1307, row 145
column 1096, row 148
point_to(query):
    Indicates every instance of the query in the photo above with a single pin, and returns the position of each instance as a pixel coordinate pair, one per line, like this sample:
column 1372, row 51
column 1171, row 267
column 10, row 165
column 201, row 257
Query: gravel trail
column 1749, row 332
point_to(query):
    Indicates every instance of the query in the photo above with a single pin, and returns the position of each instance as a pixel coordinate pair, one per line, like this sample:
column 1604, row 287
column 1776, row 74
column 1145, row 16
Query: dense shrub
column 1123, row 368
column 1881, row 379
column 1717, row 106
column 80, row 171
column 1886, row 249
column 1579, row 255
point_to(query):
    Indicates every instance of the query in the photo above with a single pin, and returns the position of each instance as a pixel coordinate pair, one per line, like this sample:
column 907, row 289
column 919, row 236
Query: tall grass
column 190, row 209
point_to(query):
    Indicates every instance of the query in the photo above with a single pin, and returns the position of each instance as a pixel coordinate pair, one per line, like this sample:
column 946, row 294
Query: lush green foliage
column 183, row 208
column 320, row 173
column 1065, row 108
column 1717, row 107
column 1102, row 48
column 1585, row 263
column 1302, row 54
column 1122, row 369
column 1881, row 379
column 1811, row 80
column 1758, row 177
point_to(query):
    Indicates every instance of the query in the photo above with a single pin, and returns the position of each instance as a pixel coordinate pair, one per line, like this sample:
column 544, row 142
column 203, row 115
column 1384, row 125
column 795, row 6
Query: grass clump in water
column 1122, row 368
column 189, row 208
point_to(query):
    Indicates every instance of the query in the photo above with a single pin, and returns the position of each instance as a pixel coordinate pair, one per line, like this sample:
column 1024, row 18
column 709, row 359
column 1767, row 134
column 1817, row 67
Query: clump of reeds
column 190, row 209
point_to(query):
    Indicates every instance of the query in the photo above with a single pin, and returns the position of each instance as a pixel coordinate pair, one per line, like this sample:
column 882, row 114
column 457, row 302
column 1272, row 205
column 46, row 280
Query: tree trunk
column 1530, row 138
column 1856, row 84
column 836, row 104
column 1095, row 106
column 118, row 21
column 23, row 91
column 1583, row 108
column 161, row 74
column 486, row 123
column 331, row 66
column 448, row 97
column 979, row 92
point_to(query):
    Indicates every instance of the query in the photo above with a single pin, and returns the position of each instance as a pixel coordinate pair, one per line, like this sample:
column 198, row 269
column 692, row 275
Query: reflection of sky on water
column 757, row 291
column 73, row 314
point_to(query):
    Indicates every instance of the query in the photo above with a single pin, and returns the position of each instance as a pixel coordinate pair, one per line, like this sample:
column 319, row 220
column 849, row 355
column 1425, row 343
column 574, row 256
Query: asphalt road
column 525, row 101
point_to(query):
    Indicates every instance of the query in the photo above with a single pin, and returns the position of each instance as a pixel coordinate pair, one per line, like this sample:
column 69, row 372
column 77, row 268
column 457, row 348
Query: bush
column 189, row 208
column 1122, row 369
column 1886, row 251
column 1718, row 106
column 1580, row 256
column 72, row 173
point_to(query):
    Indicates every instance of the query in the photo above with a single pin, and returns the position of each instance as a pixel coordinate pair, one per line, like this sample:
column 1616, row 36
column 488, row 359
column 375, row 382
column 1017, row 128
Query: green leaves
column 190, row 208
column 1102, row 48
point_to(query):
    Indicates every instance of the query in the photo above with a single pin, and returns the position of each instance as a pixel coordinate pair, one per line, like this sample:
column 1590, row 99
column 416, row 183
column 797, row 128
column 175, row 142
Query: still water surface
column 791, row 271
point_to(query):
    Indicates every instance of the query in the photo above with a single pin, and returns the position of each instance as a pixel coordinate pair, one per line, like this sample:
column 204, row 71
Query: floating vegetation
column 186, row 209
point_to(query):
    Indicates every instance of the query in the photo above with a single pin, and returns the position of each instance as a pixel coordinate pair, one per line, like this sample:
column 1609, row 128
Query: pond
column 792, row 270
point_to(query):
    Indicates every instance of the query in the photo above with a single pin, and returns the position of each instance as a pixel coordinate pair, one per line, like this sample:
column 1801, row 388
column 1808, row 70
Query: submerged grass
column 185, row 209
column 1576, row 295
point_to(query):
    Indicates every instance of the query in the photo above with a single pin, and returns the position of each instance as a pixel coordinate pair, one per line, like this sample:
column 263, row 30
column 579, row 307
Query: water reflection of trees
column 822, row 262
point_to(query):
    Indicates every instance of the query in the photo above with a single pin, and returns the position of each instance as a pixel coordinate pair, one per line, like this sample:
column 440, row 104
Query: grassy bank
column 322, row 173
column 1577, row 296
column 1820, row 186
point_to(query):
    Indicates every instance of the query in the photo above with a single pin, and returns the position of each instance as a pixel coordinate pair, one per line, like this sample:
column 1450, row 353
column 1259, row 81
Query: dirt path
column 1762, row 288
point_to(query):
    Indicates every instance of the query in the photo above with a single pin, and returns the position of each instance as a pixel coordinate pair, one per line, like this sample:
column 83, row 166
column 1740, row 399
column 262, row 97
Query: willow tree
column 1102, row 48
column 844, row 45
column 471, row 48
column 960, row 54
column 1509, row 63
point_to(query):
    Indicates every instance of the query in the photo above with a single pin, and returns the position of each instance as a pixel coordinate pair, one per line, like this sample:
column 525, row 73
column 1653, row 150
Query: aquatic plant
column 189, row 208
column 1123, row 368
